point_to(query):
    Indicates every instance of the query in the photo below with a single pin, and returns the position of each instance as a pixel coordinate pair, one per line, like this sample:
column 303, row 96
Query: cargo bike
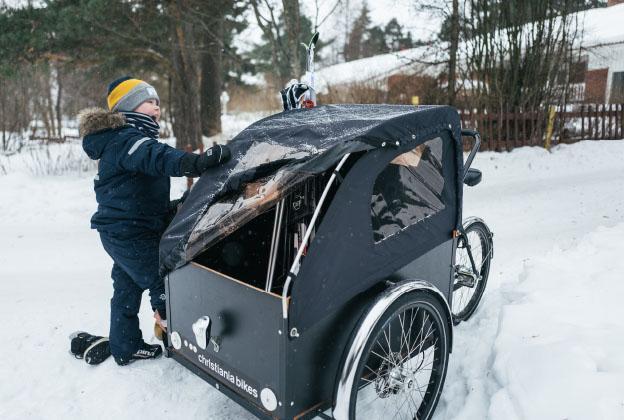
column 319, row 273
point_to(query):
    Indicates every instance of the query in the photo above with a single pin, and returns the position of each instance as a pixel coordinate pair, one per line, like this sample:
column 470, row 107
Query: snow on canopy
column 286, row 145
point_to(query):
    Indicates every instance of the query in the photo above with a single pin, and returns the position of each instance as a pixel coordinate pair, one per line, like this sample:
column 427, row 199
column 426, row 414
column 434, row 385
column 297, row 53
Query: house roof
column 377, row 68
column 600, row 26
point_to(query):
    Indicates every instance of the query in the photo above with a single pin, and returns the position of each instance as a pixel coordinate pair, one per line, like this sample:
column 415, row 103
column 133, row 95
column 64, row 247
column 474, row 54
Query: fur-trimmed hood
column 93, row 120
column 95, row 125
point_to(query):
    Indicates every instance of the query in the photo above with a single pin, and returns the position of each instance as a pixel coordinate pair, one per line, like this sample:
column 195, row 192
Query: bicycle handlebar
column 474, row 134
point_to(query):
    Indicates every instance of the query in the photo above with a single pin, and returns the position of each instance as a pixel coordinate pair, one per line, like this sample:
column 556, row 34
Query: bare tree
column 284, row 44
column 505, row 53
column 186, row 76
column 453, row 47
column 211, row 81
column 292, row 23
column 447, row 43
column 519, row 52
column 320, row 20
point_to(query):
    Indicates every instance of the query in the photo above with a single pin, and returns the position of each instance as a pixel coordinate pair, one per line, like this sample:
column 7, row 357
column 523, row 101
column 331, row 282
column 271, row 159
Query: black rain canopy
column 283, row 149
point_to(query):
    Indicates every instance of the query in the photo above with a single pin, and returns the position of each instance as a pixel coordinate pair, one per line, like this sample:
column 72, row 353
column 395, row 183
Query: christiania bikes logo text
column 228, row 376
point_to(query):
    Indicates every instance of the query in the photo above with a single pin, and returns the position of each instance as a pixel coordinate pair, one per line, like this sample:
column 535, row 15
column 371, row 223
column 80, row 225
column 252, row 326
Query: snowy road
column 546, row 342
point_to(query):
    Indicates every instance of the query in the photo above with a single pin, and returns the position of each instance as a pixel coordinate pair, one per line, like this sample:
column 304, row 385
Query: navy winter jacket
column 132, row 184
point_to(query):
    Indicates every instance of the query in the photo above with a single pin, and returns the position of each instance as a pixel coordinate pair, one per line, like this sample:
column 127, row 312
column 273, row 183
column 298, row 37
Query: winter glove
column 173, row 205
column 160, row 316
column 194, row 165
column 159, row 332
column 292, row 94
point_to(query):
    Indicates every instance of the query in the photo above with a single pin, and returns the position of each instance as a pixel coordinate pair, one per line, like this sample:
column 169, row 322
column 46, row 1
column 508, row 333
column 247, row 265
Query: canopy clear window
column 408, row 190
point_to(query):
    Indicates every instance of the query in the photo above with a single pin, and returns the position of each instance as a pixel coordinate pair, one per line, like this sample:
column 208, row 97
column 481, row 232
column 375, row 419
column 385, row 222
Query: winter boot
column 92, row 348
column 146, row 351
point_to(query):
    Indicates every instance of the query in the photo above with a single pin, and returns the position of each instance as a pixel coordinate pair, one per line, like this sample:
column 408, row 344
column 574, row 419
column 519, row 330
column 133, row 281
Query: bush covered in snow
column 51, row 159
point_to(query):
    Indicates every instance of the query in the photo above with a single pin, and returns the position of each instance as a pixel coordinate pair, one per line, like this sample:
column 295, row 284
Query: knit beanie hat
column 126, row 93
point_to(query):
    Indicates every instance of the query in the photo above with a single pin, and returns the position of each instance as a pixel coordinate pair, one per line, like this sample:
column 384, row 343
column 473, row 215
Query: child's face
column 149, row 107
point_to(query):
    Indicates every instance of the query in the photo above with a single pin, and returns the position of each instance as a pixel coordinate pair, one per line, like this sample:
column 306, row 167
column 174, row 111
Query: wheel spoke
column 485, row 259
column 390, row 337
column 422, row 396
column 416, row 406
column 414, row 316
column 381, row 357
column 389, row 346
column 427, row 334
column 402, row 322
column 400, row 407
column 372, row 371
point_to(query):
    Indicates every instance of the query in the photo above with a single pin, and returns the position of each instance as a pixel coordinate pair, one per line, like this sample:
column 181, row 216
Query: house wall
column 609, row 57
column 596, row 85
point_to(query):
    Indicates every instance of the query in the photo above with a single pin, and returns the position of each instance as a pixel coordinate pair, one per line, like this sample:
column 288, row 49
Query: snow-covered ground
column 546, row 343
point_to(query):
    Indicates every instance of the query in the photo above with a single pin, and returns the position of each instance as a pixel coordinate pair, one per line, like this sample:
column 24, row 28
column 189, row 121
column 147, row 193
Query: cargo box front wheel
column 402, row 360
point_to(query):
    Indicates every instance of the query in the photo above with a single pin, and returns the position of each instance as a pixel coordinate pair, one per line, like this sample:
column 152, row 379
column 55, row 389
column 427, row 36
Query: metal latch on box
column 201, row 329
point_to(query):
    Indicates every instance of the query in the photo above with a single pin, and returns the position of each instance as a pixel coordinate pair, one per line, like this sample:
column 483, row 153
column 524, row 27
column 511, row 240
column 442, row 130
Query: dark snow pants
column 135, row 269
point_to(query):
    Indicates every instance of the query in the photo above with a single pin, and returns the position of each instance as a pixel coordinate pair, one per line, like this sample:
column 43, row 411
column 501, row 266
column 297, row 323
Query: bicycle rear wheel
column 468, row 286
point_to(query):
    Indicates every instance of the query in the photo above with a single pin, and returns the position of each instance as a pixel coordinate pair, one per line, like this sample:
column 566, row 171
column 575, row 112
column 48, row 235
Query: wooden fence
column 47, row 140
column 510, row 128
column 523, row 127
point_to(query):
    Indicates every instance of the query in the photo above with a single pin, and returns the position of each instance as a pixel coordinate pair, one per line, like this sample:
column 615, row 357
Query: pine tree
column 374, row 42
column 406, row 42
column 394, row 35
column 395, row 40
column 175, row 45
column 354, row 46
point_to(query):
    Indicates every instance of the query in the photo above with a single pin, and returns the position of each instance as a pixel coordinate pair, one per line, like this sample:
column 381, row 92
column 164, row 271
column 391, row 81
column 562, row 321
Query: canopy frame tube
column 277, row 228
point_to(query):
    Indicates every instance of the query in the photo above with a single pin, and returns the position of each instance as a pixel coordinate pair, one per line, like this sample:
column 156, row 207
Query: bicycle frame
column 475, row 148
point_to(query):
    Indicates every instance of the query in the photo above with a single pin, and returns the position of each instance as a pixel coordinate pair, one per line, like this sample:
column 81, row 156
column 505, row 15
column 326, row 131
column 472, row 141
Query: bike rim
column 463, row 296
column 403, row 368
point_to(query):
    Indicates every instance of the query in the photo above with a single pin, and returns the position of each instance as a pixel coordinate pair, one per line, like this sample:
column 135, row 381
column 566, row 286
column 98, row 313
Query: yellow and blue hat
column 127, row 93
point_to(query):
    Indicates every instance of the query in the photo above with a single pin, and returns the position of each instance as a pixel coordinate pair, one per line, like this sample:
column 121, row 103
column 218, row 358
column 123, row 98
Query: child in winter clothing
column 132, row 190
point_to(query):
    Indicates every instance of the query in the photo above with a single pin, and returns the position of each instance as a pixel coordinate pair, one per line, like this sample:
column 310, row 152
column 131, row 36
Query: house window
column 617, row 88
column 408, row 190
